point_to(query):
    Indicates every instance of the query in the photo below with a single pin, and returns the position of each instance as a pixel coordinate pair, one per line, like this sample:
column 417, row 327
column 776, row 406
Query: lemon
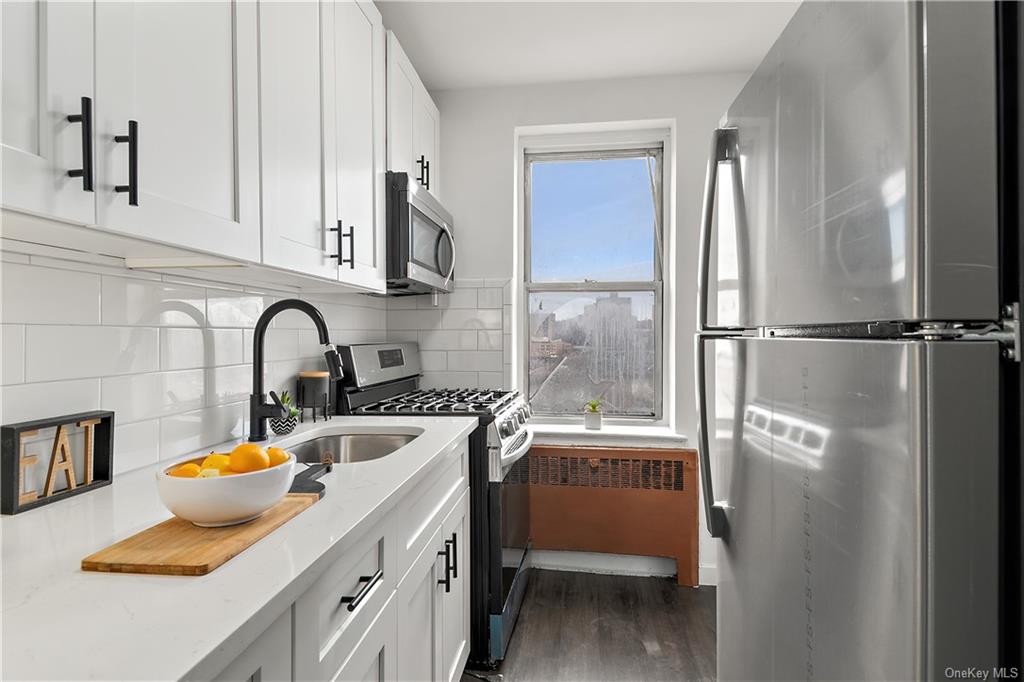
column 209, row 473
column 216, row 460
column 277, row 456
column 187, row 470
column 248, row 457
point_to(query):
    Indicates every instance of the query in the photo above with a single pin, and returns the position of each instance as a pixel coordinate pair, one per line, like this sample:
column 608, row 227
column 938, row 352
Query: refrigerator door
column 869, row 167
column 862, row 536
column 737, row 460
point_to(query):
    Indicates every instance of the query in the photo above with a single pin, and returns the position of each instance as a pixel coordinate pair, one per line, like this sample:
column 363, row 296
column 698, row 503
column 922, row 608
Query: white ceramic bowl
column 225, row 500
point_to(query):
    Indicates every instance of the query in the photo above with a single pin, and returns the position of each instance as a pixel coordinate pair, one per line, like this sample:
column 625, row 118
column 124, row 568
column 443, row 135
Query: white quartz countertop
column 60, row 623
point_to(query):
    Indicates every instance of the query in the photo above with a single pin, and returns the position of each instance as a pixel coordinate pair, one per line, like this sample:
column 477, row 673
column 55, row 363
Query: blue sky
column 591, row 219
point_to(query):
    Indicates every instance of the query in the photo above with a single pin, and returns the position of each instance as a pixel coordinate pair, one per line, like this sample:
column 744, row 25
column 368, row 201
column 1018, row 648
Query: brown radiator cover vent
column 601, row 472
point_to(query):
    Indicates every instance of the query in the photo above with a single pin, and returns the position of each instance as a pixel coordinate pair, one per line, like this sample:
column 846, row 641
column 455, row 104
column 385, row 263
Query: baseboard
column 609, row 564
column 708, row 575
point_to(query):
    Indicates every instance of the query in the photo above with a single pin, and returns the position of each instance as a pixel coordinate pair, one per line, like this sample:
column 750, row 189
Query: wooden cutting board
column 177, row 547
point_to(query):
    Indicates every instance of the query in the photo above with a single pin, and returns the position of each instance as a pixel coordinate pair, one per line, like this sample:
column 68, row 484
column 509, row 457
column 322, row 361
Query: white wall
column 172, row 357
column 477, row 149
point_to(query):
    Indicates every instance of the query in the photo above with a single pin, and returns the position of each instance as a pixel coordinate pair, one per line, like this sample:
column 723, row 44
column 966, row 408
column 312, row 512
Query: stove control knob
column 506, row 428
column 529, row 412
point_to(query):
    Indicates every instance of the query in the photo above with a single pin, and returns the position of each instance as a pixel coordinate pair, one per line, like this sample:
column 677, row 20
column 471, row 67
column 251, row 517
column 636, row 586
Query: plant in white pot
column 592, row 415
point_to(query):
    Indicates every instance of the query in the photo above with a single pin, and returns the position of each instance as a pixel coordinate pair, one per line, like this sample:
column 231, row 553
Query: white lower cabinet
column 268, row 659
column 374, row 613
column 455, row 604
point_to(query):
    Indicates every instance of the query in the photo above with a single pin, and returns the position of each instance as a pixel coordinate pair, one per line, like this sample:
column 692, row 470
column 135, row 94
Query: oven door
column 510, row 524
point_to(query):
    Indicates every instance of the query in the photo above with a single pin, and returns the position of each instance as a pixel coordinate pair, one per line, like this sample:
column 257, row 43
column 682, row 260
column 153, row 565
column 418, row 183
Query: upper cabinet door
column 291, row 134
column 414, row 123
column 186, row 74
column 354, row 150
column 47, row 70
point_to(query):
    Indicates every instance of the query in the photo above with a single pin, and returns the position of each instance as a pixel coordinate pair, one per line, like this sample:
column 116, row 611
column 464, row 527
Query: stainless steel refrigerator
column 856, row 350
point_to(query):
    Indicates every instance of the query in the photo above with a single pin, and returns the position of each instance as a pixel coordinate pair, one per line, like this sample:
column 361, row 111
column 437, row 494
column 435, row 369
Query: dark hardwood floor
column 582, row 627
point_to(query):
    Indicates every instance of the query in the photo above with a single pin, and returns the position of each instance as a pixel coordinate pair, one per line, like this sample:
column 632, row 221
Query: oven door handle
column 514, row 456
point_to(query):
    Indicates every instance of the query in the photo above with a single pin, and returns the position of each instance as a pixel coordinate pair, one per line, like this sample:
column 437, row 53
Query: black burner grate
column 442, row 401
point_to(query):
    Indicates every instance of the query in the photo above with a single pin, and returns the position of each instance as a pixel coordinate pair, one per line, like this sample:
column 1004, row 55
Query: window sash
column 589, row 286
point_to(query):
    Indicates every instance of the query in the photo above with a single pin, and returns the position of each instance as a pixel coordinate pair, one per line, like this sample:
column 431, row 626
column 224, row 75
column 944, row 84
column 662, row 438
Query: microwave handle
column 451, row 240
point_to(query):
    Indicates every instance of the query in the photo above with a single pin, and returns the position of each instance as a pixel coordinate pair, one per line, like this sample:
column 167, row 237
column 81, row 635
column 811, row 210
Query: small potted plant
column 592, row 414
column 285, row 425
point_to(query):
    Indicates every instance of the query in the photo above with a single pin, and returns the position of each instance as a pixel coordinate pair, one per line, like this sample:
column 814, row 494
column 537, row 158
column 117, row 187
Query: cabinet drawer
column 328, row 624
column 421, row 512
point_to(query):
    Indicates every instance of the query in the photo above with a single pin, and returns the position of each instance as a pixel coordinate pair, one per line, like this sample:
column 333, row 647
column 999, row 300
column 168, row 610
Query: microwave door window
column 426, row 236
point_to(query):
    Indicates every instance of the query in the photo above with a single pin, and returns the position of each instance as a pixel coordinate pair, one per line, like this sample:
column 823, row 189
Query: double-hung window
column 593, row 281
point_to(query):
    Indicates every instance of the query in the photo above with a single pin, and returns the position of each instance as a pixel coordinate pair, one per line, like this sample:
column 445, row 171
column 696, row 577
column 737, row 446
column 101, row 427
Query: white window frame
column 576, row 141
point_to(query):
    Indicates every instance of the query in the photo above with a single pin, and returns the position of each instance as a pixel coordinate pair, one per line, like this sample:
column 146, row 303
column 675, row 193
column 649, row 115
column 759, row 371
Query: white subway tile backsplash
column 489, row 340
column 458, row 298
column 448, row 340
column 129, row 301
column 189, row 431
column 22, row 402
column 492, row 380
column 475, row 360
column 136, row 445
column 449, row 380
column 12, row 350
column 231, row 309
column 48, row 296
column 97, row 351
column 470, row 319
column 144, row 396
column 434, row 360
column 507, row 349
column 182, row 348
column 489, row 298
column 414, row 319
column 228, row 384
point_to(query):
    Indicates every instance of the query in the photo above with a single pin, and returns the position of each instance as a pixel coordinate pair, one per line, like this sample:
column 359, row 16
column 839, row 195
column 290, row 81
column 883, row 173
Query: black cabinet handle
column 85, row 118
column 426, row 174
column 132, row 138
column 422, row 162
column 351, row 235
column 447, row 554
column 455, row 555
column 368, row 582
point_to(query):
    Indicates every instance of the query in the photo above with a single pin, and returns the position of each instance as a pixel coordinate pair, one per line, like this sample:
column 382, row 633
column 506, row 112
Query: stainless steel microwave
column 421, row 239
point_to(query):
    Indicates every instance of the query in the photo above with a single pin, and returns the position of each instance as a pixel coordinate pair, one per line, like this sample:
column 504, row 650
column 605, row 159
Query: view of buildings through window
column 593, row 282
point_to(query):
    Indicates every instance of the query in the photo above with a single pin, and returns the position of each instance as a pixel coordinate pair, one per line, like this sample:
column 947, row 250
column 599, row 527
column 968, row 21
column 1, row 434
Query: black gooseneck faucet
column 259, row 409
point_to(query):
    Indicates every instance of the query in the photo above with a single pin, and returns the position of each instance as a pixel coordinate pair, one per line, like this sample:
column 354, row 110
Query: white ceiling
column 482, row 44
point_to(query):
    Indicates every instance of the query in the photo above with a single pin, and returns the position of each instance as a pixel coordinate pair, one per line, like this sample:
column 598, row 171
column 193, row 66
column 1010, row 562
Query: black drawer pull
column 455, row 555
column 447, row 554
column 85, row 118
column 368, row 582
column 132, row 138
column 351, row 236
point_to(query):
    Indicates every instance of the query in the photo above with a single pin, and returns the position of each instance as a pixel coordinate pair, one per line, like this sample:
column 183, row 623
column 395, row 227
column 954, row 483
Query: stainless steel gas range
column 383, row 379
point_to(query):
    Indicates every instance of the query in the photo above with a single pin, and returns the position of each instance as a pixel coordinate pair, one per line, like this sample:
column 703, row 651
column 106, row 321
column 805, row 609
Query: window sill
column 609, row 434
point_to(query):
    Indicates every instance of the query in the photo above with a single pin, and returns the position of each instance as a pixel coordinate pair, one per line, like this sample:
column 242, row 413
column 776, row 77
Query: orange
column 216, row 460
column 277, row 456
column 187, row 470
column 249, row 457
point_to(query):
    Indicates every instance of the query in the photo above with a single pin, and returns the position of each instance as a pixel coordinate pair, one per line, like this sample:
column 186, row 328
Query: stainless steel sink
column 349, row 447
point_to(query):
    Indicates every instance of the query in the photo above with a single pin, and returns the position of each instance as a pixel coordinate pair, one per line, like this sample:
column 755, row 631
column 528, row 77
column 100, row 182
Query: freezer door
column 869, row 177
column 859, row 486
column 884, row 507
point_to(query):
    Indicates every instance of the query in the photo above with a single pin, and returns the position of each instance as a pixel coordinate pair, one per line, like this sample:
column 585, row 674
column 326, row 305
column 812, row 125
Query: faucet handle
column 280, row 406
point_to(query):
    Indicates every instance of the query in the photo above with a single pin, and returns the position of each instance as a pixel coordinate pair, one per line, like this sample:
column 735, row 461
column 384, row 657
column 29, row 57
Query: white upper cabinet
column 186, row 74
column 354, row 141
column 414, row 123
column 295, row 236
column 47, row 70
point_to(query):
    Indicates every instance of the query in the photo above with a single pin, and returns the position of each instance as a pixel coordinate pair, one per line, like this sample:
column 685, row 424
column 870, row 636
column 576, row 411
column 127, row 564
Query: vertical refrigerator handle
column 714, row 510
column 723, row 148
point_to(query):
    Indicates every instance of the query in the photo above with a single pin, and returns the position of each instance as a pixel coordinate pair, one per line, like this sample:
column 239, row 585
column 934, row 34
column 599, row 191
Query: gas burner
column 442, row 401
